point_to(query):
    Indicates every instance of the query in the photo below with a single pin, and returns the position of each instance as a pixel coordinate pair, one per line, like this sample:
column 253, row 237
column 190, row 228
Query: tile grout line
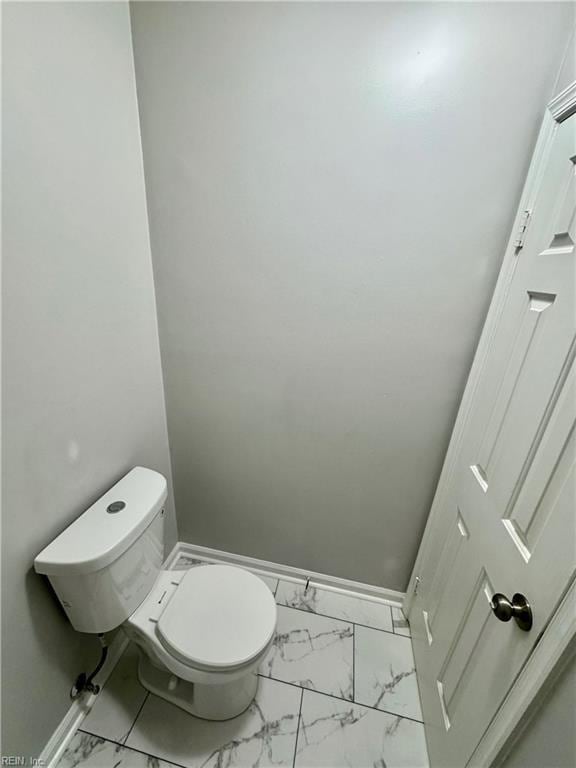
column 298, row 729
column 294, row 685
column 346, row 701
column 349, row 621
column 137, row 716
column 346, row 621
column 353, row 662
column 130, row 749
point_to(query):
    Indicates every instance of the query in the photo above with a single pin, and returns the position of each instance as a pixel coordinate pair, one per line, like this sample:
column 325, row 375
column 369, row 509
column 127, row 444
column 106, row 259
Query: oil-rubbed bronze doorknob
column 519, row 610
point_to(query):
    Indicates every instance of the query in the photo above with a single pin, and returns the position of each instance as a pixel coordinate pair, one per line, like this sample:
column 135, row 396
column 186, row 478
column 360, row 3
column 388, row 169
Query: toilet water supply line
column 83, row 682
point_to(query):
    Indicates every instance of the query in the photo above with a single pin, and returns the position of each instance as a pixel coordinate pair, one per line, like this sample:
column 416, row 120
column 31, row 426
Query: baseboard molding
column 288, row 573
column 60, row 739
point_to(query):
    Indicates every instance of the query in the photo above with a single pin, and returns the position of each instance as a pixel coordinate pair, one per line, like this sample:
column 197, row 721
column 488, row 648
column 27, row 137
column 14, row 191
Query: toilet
column 201, row 633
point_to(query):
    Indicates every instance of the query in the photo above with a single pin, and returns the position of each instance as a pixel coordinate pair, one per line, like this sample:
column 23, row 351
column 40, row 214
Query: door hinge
column 522, row 227
column 416, row 585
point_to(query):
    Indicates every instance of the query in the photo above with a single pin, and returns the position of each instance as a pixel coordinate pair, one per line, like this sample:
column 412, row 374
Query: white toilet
column 202, row 633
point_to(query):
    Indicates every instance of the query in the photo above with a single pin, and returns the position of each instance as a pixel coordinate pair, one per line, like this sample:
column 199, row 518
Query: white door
column 510, row 516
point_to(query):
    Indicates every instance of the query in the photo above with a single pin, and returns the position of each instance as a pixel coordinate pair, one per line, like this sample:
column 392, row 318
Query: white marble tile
column 312, row 651
column 335, row 734
column 185, row 562
column 264, row 735
column 117, row 705
column 334, row 604
column 89, row 751
column 385, row 673
column 400, row 622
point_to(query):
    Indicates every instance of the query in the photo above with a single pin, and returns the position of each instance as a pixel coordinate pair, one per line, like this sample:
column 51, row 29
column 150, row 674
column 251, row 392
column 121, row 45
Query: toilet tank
column 106, row 562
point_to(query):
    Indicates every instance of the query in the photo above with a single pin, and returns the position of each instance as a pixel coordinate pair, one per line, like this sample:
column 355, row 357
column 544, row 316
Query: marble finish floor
column 338, row 688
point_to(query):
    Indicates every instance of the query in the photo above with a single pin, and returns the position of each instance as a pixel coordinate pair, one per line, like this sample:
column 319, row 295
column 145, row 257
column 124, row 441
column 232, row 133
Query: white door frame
column 560, row 634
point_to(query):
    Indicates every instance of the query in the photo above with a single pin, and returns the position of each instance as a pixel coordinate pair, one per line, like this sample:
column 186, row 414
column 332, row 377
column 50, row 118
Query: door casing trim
column 560, row 634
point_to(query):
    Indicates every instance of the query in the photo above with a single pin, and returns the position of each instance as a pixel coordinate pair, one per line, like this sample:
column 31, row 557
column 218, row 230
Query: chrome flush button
column 116, row 506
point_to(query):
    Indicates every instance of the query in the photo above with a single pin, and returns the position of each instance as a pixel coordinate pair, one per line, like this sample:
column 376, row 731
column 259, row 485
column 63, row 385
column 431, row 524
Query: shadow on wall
column 51, row 628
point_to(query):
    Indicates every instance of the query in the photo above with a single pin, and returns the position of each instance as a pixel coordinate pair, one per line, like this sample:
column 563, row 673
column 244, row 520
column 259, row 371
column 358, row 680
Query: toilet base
column 209, row 702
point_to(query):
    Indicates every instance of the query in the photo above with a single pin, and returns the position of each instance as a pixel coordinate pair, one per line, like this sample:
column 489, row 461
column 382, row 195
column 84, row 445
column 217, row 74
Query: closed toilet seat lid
column 220, row 616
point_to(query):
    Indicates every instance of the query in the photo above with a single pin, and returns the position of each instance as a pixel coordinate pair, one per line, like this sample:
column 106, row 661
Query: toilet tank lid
column 106, row 530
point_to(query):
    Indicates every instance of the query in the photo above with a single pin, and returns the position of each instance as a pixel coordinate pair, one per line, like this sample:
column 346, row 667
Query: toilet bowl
column 202, row 635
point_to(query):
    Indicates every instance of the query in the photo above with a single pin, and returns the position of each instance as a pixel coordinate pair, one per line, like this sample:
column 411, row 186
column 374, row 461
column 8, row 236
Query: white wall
column 549, row 739
column 83, row 397
column 330, row 189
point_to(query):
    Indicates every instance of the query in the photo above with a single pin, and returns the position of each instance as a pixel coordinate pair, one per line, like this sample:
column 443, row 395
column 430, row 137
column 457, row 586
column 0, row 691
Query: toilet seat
column 202, row 634
column 220, row 618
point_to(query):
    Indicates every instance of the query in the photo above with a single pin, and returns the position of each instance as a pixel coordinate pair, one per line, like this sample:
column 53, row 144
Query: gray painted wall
column 330, row 189
column 83, row 395
column 549, row 740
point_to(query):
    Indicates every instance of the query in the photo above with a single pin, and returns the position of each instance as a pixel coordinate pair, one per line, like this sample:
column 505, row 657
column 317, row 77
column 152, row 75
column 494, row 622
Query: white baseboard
column 60, row 739
column 288, row 573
